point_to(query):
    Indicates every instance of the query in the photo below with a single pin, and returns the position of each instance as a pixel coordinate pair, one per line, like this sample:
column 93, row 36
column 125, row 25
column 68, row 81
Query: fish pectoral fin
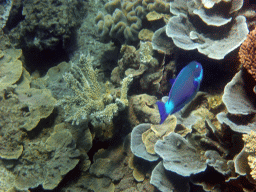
column 162, row 111
column 196, row 83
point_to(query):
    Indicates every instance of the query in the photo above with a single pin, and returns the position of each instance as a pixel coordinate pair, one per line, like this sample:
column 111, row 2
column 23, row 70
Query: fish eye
column 197, row 66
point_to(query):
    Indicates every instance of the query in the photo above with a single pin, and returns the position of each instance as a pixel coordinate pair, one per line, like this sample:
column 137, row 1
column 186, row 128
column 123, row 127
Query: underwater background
column 80, row 87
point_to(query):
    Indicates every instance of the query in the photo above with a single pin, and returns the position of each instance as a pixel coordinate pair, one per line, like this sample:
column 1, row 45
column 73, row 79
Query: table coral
column 247, row 53
column 184, row 157
column 239, row 105
column 210, row 30
column 91, row 101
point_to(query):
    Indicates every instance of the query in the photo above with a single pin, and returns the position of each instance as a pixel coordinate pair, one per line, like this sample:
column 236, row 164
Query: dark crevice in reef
column 41, row 61
column 122, row 129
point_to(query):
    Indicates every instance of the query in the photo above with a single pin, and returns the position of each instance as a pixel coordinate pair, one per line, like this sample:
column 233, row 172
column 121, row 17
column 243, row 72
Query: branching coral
column 91, row 100
column 247, row 53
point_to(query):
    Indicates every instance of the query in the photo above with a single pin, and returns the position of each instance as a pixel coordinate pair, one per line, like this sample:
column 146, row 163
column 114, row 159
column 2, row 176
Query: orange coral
column 247, row 53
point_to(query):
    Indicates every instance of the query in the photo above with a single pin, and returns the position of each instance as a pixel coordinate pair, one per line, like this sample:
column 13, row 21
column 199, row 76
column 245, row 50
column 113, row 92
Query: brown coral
column 247, row 53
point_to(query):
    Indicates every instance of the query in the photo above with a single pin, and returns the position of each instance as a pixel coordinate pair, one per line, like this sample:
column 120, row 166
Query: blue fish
column 183, row 90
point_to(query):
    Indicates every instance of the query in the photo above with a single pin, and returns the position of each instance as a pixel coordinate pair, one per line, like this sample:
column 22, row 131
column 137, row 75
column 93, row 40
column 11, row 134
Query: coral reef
column 10, row 67
column 247, row 53
column 25, row 162
column 143, row 66
column 22, row 107
column 235, row 97
column 240, row 106
column 34, row 170
column 123, row 20
column 47, row 24
column 161, row 42
column 185, row 152
column 91, row 101
column 189, row 32
column 184, row 157
column 249, row 143
column 53, row 80
column 6, row 7
column 91, row 122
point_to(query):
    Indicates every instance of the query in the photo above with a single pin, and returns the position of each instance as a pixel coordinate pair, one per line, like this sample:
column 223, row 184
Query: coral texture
column 210, row 30
column 47, row 23
column 250, row 143
column 124, row 18
column 6, row 7
column 21, row 107
column 239, row 105
column 183, row 152
column 247, row 53
column 10, row 67
column 37, row 167
column 91, row 101
column 142, row 65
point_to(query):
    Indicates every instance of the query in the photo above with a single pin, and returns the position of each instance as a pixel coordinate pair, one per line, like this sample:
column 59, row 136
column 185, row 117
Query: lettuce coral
column 210, row 30
column 38, row 167
column 240, row 106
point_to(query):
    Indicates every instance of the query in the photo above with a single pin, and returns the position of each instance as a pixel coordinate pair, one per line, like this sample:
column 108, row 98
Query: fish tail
column 161, row 108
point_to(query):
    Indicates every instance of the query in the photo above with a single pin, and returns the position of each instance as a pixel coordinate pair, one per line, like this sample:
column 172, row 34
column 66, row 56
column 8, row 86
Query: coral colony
column 86, row 103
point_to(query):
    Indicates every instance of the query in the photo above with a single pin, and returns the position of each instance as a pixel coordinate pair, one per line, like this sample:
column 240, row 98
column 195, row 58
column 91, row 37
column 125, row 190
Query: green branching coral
column 91, row 101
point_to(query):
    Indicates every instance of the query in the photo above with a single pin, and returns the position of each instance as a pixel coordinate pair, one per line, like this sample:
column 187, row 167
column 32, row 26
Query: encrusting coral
column 247, row 53
column 91, row 100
